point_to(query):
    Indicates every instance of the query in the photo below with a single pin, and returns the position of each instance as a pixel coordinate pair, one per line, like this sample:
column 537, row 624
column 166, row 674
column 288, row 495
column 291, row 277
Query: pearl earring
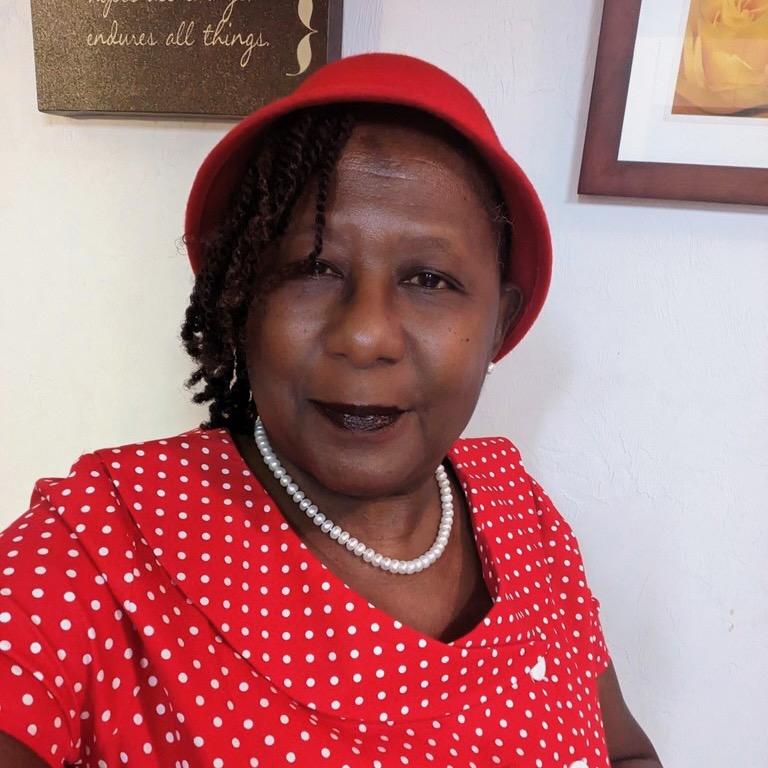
column 490, row 368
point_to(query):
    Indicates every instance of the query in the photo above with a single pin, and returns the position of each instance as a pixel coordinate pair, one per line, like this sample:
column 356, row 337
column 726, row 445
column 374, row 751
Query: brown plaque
column 220, row 58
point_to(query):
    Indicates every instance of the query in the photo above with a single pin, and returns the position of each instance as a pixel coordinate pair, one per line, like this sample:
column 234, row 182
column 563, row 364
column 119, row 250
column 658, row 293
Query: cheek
column 455, row 356
column 282, row 330
column 278, row 352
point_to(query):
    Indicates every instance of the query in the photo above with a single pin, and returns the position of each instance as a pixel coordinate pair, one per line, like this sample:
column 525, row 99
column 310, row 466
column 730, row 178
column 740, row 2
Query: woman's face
column 405, row 309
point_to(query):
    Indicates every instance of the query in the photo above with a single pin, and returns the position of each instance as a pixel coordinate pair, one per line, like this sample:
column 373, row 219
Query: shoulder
column 493, row 468
column 61, row 555
column 486, row 450
column 62, row 508
column 495, row 464
column 498, row 457
column 173, row 450
column 503, row 456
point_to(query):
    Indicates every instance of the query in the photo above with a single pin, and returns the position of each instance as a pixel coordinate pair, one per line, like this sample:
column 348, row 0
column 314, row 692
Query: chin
column 359, row 476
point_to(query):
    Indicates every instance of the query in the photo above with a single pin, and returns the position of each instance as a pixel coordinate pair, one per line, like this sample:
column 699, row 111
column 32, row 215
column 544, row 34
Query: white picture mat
column 651, row 133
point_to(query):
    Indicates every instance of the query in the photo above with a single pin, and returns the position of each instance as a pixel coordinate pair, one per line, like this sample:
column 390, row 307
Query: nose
column 366, row 326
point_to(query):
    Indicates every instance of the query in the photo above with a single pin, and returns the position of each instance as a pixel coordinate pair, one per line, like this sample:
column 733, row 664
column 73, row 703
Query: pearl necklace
column 342, row 537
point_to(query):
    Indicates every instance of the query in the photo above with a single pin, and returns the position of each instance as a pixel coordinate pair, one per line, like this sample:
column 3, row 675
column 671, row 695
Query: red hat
column 389, row 78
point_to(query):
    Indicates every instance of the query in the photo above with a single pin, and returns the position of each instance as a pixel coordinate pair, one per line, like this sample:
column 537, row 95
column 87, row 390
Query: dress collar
column 301, row 626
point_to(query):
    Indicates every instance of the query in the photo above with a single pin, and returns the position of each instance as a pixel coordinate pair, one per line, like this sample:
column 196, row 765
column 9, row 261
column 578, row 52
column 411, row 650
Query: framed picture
column 679, row 106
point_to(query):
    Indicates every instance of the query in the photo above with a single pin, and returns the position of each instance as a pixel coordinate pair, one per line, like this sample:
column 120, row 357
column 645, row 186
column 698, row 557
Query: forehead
column 398, row 185
column 410, row 149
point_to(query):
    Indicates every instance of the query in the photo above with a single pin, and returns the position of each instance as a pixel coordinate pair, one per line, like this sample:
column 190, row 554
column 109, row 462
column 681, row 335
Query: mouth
column 359, row 418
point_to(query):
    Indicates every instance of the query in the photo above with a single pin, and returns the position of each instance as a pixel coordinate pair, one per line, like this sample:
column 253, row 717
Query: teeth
column 352, row 421
column 361, row 422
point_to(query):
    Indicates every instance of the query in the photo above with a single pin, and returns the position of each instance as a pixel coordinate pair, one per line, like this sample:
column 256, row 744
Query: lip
column 360, row 410
column 362, row 422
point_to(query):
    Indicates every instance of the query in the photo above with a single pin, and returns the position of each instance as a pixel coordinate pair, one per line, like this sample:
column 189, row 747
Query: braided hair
column 237, row 266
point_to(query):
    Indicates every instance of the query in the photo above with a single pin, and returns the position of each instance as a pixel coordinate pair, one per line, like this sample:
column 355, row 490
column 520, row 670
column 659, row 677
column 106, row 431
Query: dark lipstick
column 360, row 418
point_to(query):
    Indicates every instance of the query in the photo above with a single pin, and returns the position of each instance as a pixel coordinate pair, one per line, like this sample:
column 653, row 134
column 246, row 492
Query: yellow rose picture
column 724, row 61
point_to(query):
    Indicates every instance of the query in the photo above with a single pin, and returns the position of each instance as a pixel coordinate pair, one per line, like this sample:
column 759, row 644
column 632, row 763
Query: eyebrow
column 423, row 239
column 433, row 242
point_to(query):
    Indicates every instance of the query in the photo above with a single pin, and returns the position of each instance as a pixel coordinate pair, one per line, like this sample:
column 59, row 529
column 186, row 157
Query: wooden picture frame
column 603, row 173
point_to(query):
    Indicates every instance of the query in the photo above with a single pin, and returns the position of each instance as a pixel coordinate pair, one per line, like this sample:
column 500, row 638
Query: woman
column 324, row 572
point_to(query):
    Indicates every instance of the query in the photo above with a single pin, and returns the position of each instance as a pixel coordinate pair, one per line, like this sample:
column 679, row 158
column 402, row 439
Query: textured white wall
column 639, row 400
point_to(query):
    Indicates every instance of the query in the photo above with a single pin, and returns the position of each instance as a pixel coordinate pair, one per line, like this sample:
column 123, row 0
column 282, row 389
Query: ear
column 510, row 304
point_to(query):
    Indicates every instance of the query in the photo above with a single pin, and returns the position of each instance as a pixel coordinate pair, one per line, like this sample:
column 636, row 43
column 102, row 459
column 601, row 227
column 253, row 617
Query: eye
column 318, row 269
column 430, row 280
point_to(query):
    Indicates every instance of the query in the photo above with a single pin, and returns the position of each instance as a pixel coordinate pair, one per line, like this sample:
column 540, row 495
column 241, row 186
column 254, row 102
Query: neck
column 400, row 525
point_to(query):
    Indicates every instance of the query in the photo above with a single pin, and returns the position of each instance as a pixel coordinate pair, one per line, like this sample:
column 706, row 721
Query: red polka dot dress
column 156, row 609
